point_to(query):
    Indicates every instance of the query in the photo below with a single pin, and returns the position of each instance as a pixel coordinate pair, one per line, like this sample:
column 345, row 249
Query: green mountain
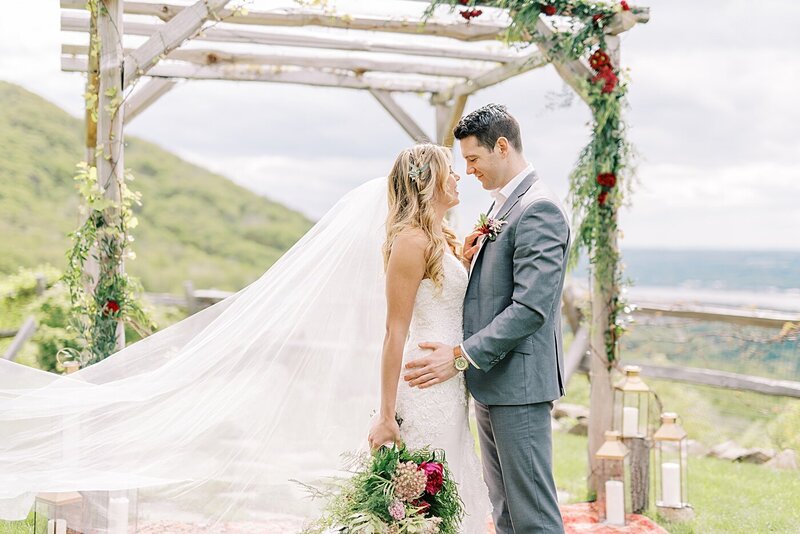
column 193, row 224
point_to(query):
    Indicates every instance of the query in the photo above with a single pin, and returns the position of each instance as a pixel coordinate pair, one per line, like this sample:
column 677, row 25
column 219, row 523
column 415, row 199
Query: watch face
column 462, row 364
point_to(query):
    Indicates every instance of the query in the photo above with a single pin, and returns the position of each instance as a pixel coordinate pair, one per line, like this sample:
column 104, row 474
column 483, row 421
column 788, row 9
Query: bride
column 425, row 285
column 209, row 424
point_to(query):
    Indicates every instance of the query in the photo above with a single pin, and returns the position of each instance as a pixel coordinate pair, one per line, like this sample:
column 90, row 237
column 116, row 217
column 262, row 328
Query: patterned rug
column 578, row 518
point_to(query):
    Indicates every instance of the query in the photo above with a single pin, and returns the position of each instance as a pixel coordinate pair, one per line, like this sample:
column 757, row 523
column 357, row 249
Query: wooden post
column 639, row 450
column 447, row 116
column 601, row 397
column 110, row 155
column 24, row 333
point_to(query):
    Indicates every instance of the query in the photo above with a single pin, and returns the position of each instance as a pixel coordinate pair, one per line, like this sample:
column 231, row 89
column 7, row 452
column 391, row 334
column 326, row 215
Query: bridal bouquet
column 395, row 491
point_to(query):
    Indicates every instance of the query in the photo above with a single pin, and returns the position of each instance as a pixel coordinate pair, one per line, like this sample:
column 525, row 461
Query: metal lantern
column 613, row 495
column 54, row 512
column 110, row 512
column 632, row 405
column 671, row 452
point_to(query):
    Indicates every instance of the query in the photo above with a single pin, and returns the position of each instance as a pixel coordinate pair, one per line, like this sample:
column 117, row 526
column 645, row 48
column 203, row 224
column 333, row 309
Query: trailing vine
column 104, row 301
column 600, row 180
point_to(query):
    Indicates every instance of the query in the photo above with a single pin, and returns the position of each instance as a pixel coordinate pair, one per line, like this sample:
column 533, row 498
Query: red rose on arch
column 599, row 59
column 625, row 6
column 549, row 10
column 607, row 179
column 607, row 77
column 111, row 307
column 435, row 473
column 597, row 17
column 602, row 198
column 463, row 2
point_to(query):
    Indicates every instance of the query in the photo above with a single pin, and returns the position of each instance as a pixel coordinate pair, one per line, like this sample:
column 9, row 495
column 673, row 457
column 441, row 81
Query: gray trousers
column 517, row 454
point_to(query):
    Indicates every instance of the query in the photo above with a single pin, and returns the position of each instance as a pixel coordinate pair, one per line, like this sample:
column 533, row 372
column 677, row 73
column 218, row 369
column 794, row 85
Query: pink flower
column 435, row 474
column 397, row 510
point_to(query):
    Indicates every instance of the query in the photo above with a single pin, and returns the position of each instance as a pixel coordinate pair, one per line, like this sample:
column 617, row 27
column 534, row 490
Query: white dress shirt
column 500, row 195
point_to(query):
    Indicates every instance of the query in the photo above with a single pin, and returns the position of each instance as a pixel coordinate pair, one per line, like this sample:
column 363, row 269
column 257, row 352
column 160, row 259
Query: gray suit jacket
column 512, row 308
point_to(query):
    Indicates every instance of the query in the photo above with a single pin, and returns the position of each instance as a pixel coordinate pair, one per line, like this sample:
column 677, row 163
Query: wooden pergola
column 446, row 58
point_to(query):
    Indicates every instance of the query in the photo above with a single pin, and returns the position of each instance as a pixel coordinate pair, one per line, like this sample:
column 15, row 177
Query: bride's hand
column 471, row 245
column 384, row 430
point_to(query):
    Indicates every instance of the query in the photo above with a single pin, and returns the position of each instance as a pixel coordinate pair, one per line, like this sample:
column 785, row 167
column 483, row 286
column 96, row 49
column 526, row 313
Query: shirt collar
column 505, row 192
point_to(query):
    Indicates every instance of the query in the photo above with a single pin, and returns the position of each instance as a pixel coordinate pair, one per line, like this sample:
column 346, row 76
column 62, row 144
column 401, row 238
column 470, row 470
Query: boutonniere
column 489, row 226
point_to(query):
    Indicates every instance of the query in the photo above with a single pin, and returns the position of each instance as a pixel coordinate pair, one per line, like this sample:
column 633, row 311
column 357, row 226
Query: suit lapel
column 506, row 208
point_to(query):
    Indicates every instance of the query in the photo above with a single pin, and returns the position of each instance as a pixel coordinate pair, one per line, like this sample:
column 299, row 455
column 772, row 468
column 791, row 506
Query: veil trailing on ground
column 215, row 418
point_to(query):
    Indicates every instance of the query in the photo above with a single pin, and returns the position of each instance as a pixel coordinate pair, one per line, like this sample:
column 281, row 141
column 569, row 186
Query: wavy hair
column 418, row 174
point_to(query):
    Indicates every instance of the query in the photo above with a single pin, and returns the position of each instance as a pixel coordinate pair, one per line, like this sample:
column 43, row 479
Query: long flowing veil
column 215, row 418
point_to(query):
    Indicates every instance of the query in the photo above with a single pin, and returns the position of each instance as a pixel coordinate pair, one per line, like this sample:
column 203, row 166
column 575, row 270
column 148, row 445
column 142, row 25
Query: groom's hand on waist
column 433, row 369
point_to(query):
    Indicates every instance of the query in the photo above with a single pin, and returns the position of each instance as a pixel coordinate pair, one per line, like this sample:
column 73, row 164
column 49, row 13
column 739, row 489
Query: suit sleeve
column 540, row 244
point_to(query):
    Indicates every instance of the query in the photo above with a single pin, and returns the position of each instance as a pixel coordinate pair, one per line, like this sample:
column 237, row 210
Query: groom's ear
column 502, row 145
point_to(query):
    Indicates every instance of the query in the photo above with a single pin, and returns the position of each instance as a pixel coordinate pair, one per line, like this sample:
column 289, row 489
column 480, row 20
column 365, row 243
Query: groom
column 512, row 352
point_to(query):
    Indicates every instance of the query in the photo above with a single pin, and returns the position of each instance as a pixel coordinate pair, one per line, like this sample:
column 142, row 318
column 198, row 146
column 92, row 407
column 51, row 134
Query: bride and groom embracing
column 484, row 318
column 216, row 417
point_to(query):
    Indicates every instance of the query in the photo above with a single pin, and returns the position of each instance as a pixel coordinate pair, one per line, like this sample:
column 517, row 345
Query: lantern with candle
column 670, row 446
column 613, row 497
column 632, row 405
column 54, row 512
column 112, row 512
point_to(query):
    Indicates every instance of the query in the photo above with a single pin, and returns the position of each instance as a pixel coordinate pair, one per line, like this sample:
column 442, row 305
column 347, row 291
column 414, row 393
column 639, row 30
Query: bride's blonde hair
column 420, row 173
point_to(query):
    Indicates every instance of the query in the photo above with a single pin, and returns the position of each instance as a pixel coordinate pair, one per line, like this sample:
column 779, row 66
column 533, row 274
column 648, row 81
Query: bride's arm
column 404, row 273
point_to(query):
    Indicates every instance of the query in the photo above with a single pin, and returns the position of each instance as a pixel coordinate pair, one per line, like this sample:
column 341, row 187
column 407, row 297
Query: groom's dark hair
column 488, row 124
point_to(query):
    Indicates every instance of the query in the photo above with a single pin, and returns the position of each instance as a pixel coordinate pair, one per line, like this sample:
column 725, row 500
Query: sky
column 713, row 115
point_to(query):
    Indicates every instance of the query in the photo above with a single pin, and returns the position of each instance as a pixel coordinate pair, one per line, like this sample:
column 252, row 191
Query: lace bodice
column 438, row 316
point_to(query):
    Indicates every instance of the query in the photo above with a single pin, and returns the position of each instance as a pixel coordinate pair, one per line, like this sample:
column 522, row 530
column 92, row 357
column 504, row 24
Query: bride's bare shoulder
column 408, row 247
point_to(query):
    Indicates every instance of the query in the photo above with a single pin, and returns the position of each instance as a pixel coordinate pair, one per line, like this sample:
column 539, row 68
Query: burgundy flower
column 599, row 59
column 625, row 6
column 607, row 77
column 549, row 10
column 435, row 473
column 423, row 506
column 111, row 307
column 597, row 17
column 602, row 197
column 463, row 2
column 607, row 179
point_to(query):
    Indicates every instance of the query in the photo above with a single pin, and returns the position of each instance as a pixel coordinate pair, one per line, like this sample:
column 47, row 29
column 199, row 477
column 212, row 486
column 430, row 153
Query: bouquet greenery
column 394, row 491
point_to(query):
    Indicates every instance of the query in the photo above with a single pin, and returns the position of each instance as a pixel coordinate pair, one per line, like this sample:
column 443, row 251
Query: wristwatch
column 461, row 363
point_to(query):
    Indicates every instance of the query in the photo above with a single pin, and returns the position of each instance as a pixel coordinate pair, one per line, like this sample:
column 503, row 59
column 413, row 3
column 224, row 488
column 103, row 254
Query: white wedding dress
column 215, row 419
column 438, row 416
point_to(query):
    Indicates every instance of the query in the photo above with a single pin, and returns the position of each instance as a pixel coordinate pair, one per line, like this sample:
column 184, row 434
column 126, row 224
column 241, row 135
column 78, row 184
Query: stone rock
column 786, row 459
column 696, row 448
column 728, row 450
column 574, row 411
column 581, row 428
column 555, row 425
column 758, row 456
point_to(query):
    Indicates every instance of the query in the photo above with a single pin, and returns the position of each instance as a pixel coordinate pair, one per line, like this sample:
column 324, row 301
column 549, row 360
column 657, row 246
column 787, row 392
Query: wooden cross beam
column 293, row 17
column 146, row 95
column 168, row 37
column 356, row 65
column 80, row 24
column 404, row 119
column 313, row 77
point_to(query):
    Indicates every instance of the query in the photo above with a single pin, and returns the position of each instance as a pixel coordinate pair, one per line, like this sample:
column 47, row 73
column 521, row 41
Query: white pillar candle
column 615, row 503
column 117, row 515
column 671, row 484
column 630, row 421
column 57, row 526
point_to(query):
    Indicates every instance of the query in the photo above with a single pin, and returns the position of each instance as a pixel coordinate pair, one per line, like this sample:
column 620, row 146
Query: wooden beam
column 111, row 149
column 447, row 116
column 576, row 354
column 722, row 379
column 357, row 65
column 79, row 24
column 299, row 76
column 21, row 337
column 477, row 30
column 146, row 96
column 760, row 318
column 572, row 72
column 493, row 76
column 168, row 37
column 404, row 119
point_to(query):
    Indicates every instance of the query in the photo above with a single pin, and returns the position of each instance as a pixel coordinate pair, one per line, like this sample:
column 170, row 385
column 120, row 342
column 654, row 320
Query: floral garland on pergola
column 599, row 181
